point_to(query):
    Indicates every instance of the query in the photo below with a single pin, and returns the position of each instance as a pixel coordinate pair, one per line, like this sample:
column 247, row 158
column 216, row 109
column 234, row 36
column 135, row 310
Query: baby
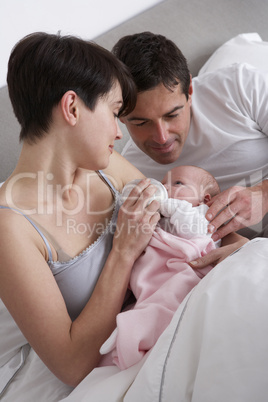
column 189, row 189
column 162, row 277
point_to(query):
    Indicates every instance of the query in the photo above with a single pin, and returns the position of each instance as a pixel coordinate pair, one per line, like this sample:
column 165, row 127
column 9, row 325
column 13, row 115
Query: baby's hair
column 209, row 183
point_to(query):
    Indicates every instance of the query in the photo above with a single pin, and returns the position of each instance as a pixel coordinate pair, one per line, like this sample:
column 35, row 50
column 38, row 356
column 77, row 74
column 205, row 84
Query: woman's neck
column 46, row 173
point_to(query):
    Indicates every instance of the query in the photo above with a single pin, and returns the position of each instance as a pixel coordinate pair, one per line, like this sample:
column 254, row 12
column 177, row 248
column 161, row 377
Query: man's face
column 160, row 122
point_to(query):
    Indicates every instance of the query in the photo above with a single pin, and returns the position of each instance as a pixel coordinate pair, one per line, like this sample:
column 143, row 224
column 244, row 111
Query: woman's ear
column 207, row 198
column 69, row 107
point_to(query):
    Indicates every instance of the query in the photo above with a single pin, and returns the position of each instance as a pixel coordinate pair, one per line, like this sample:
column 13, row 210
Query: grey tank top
column 77, row 276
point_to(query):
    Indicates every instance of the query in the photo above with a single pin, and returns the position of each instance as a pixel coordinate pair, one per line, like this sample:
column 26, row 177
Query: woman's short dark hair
column 42, row 67
column 152, row 60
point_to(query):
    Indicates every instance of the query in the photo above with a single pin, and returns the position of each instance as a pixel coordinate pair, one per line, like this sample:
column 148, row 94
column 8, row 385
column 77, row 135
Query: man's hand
column 230, row 243
column 236, row 208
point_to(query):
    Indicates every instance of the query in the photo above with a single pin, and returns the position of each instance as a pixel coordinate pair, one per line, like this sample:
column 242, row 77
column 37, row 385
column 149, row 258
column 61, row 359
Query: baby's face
column 183, row 183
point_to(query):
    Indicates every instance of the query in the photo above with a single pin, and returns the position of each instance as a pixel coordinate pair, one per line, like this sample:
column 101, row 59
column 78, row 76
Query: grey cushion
column 197, row 27
column 9, row 136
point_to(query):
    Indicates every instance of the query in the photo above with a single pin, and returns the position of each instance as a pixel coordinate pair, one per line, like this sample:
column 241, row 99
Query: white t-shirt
column 228, row 133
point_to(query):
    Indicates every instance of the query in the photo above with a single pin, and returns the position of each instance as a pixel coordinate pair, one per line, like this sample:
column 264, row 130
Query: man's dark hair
column 152, row 60
column 42, row 67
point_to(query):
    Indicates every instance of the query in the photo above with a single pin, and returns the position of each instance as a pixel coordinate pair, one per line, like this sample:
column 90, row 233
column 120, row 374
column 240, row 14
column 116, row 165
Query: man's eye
column 171, row 116
column 178, row 183
column 140, row 124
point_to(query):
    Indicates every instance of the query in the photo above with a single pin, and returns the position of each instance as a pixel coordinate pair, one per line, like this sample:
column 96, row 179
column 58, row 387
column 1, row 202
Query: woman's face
column 99, row 129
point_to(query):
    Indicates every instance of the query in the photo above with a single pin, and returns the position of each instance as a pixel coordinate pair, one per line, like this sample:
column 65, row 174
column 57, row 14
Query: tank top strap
column 105, row 178
column 35, row 226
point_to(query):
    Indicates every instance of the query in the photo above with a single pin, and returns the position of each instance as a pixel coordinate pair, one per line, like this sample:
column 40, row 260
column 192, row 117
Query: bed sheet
column 215, row 348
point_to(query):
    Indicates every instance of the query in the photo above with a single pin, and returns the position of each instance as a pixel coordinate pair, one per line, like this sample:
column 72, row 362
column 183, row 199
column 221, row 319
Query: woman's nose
column 119, row 133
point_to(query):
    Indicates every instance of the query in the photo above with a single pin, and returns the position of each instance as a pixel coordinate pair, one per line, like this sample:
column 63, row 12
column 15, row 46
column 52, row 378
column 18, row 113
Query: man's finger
column 208, row 259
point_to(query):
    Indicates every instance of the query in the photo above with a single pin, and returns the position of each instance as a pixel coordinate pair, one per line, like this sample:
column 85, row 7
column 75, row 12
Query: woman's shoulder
column 121, row 171
column 12, row 224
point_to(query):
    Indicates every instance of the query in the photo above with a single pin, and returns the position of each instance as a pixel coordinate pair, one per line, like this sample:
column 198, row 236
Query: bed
column 191, row 361
column 184, row 364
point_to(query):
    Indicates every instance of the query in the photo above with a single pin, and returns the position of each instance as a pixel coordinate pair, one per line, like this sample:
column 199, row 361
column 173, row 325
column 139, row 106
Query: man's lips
column 162, row 149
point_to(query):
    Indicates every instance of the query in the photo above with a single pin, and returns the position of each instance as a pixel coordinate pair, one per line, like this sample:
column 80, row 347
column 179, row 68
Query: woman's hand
column 236, row 208
column 137, row 220
column 230, row 243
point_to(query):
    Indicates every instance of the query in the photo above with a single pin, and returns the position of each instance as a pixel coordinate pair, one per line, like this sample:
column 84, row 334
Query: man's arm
column 230, row 243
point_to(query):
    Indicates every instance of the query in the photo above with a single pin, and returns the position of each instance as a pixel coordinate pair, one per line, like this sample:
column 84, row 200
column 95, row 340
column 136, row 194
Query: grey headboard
column 198, row 27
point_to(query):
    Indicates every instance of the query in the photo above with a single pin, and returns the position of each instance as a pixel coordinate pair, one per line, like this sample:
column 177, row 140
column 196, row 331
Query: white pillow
column 244, row 48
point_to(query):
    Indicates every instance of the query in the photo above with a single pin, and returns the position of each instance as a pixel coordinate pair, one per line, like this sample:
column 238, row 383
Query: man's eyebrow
column 174, row 110
column 166, row 114
column 137, row 118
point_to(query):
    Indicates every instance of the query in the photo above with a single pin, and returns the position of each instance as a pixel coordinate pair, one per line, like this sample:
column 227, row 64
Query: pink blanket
column 160, row 280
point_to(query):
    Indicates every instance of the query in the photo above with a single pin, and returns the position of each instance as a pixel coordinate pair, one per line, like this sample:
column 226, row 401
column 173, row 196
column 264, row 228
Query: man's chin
column 164, row 156
column 163, row 159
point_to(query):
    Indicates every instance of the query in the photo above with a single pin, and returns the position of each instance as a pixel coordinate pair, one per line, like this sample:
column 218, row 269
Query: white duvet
column 214, row 350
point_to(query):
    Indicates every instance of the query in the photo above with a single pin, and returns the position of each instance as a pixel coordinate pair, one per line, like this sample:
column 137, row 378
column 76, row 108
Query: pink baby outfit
column 160, row 279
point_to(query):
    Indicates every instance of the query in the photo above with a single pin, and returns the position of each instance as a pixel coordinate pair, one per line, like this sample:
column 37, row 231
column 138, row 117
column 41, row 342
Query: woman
column 63, row 276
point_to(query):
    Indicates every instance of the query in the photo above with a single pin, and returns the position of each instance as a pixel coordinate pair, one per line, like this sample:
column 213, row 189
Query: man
column 217, row 121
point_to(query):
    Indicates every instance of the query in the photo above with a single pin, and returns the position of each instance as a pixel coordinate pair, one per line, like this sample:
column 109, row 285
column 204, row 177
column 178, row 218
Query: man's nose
column 161, row 132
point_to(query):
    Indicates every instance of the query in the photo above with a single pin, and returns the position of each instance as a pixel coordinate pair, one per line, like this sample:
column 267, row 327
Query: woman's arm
column 29, row 290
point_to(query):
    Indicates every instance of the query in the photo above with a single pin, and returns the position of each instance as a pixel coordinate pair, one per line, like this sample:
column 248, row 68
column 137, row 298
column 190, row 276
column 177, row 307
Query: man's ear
column 190, row 91
column 207, row 198
column 69, row 107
